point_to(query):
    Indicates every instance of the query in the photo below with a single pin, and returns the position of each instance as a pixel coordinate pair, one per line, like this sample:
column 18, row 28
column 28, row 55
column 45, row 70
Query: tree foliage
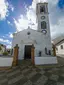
column 0, row 48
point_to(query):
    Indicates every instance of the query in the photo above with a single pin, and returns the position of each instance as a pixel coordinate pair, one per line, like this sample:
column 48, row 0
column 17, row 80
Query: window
column 42, row 9
column 43, row 25
column 61, row 46
column 45, row 50
column 49, row 52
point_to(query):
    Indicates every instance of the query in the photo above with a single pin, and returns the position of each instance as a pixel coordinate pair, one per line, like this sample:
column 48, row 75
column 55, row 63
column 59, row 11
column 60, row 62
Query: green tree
column 0, row 48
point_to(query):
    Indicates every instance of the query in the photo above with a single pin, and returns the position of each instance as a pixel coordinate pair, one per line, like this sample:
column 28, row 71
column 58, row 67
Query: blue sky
column 16, row 15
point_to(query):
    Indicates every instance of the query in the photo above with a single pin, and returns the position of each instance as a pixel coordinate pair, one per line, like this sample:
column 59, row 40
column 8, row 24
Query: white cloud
column 3, row 36
column 56, row 19
column 55, row 14
column 9, row 46
column 5, row 41
column 58, row 29
column 22, row 23
column 29, row 20
column 11, row 7
column 9, row 23
column 3, row 9
column 11, row 35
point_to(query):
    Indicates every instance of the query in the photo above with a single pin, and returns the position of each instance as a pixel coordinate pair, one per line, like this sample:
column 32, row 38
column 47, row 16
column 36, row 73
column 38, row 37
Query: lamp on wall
column 40, row 53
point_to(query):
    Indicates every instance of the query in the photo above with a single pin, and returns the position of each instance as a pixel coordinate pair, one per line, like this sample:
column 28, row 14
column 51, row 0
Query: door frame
column 25, row 52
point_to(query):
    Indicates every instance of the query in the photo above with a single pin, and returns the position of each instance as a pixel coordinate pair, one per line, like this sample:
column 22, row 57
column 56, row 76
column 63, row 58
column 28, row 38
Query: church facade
column 40, row 38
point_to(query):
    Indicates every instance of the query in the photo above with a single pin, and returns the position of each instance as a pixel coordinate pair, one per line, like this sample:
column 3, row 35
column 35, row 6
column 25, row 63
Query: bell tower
column 42, row 17
column 43, row 25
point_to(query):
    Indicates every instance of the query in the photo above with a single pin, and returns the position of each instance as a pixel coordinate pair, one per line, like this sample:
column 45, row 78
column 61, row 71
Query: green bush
column 0, row 48
column 5, row 53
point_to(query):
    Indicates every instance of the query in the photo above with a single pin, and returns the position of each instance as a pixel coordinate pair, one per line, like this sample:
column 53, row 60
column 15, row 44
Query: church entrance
column 27, row 51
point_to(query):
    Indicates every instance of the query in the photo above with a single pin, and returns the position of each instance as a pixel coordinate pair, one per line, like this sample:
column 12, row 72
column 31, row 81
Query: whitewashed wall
column 22, row 39
column 45, row 60
column 4, row 62
column 60, row 51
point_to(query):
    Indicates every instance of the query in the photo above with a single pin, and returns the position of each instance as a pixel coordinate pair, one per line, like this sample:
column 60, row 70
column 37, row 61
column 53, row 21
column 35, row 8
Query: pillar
column 15, row 57
column 54, row 50
column 33, row 55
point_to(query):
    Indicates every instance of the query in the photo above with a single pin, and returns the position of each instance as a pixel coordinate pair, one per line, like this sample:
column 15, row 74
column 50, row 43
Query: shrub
column 0, row 48
column 5, row 53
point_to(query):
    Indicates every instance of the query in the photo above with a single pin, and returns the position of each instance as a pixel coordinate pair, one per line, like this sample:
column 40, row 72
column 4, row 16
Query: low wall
column 60, row 55
column 4, row 62
column 45, row 60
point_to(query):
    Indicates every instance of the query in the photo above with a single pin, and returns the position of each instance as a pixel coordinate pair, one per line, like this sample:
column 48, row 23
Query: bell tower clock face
column 42, row 17
column 44, row 31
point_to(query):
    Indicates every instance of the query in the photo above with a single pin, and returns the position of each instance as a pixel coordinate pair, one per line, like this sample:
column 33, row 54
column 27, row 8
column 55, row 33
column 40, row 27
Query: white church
column 40, row 38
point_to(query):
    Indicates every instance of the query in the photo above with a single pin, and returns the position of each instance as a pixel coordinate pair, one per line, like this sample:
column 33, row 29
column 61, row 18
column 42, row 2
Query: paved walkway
column 26, row 74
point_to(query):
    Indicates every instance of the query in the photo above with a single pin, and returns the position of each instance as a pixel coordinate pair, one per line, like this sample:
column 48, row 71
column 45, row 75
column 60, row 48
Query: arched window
column 43, row 25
